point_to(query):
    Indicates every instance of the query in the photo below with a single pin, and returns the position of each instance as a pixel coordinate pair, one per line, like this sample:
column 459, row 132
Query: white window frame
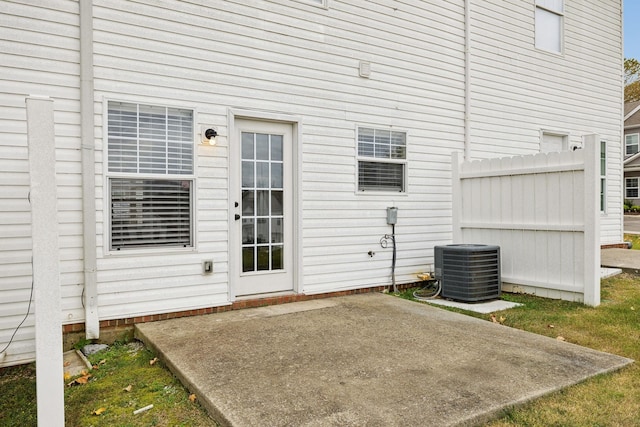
column 627, row 144
column 381, row 160
column 603, row 176
column 564, row 135
column 627, row 187
column 547, row 7
column 109, row 177
column 319, row 3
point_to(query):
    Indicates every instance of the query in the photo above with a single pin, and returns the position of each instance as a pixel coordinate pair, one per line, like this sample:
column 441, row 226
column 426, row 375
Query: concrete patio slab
column 368, row 359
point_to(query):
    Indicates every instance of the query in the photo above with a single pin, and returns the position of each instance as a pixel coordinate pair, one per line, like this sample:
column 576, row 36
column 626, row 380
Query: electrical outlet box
column 392, row 215
column 207, row 266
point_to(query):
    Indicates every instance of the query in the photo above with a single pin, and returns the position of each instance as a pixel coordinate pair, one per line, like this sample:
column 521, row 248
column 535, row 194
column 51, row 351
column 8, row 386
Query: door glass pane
column 247, row 174
column 263, row 203
column 276, row 147
column 248, row 256
column 248, row 197
column 248, row 232
column 263, row 258
column 276, row 257
column 247, row 145
column 262, row 146
column 276, row 203
column 263, row 230
column 262, row 174
column 276, row 230
column 276, row 175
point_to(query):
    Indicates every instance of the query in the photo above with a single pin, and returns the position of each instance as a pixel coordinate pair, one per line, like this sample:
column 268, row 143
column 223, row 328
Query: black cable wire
column 25, row 316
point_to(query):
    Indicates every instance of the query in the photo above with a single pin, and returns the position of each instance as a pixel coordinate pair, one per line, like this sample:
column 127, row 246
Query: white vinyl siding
column 307, row 66
column 549, row 25
column 382, row 158
column 39, row 54
column 295, row 59
column 150, row 167
column 516, row 89
column 631, row 143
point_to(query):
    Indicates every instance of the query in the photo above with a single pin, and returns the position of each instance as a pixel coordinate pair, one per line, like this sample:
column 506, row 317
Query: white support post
column 456, row 185
column 46, row 269
column 592, row 220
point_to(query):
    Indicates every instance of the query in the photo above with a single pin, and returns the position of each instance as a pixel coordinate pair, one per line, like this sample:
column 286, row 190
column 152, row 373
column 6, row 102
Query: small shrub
column 635, row 208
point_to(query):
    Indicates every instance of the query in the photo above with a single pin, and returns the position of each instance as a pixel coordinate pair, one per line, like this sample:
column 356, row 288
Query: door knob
column 237, row 217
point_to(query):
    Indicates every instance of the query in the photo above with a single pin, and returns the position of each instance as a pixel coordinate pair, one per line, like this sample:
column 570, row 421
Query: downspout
column 90, row 293
column 467, row 80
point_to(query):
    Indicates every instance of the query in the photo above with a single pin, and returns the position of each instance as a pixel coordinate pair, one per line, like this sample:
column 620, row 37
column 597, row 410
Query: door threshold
column 264, row 295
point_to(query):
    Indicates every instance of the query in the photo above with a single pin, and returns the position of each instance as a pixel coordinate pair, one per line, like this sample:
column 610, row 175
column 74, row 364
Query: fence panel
column 543, row 212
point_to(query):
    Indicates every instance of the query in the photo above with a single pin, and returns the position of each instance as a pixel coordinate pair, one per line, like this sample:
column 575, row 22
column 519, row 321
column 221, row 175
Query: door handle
column 237, row 217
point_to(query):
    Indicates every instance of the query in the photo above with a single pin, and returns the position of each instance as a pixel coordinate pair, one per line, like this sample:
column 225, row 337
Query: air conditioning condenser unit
column 468, row 272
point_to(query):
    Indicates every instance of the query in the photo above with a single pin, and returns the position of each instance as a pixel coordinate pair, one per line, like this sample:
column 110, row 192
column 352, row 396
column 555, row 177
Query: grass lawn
column 607, row 400
column 634, row 239
column 124, row 381
column 613, row 327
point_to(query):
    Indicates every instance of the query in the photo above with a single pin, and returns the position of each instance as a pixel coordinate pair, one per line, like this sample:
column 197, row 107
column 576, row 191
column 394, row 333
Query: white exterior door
column 262, row 229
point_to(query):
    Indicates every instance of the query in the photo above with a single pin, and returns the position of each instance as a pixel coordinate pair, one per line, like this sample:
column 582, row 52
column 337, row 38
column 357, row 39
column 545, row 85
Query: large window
column 150, row 176
column 549, row 25
column 382, row 158
column 631, row 143
column 631, row 188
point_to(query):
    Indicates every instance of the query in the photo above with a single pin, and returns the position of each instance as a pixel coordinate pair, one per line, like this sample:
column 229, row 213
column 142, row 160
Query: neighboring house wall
column 294, row 61
column 631, row 150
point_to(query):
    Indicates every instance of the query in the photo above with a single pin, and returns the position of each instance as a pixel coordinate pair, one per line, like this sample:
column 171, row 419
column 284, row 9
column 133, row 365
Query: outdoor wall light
column 209, row 136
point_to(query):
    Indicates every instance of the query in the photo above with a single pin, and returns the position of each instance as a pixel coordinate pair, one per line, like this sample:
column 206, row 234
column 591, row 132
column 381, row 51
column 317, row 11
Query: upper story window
column 150, row 176
column 549, row 25
column 382, row 161
column 631, row 143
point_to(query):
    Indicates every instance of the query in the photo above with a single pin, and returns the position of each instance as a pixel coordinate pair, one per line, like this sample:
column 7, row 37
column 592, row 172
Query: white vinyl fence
column 543, row 211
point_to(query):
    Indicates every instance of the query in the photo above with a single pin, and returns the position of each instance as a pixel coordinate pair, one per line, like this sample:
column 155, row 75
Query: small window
column 631, row 143
column 603, row 176
column 322, row 3
column 382, row 158
column 150, row 176
column 549, row 24
column 554, row 141
column 631, row 188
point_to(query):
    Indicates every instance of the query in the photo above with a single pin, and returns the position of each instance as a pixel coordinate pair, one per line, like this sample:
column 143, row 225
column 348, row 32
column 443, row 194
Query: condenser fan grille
column 468, row 272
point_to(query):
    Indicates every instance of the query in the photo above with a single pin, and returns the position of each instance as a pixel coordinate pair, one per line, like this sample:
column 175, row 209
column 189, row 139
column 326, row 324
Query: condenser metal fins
column 468, row 273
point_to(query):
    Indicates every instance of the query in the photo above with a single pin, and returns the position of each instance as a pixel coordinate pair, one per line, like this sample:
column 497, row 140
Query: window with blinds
column 381, row 160
column 150, row 172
